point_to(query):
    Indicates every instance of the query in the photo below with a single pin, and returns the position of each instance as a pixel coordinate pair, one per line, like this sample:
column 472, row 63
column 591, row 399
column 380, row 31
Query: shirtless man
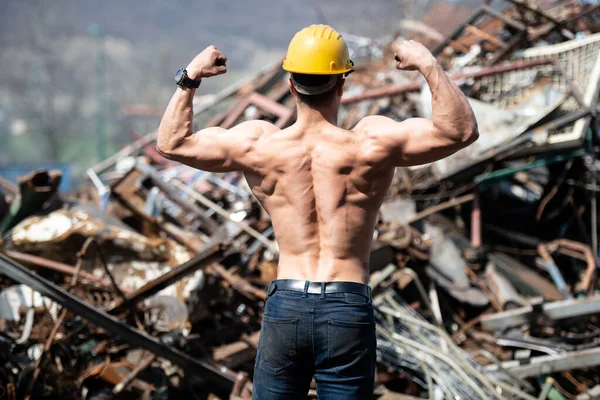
column 322, row 186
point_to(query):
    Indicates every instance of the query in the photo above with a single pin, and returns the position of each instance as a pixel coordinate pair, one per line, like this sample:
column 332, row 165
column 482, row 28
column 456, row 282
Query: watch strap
column 188, row 82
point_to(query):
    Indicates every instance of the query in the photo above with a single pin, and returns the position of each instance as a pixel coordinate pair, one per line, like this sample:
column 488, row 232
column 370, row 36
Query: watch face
column 179, row 76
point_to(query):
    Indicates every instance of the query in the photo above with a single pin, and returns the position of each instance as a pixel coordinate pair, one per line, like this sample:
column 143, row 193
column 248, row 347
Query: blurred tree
column 56, row 79
column 33, row 71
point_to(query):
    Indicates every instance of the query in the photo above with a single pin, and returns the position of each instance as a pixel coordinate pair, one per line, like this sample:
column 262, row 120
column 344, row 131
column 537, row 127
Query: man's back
column 322, row 187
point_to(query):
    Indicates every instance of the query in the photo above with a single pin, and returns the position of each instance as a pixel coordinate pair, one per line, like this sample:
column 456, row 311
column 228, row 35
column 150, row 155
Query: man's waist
column 322, row 288
column 322, row 269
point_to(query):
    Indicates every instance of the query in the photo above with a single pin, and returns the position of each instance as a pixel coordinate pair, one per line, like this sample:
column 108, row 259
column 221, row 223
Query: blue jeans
column 330, row 336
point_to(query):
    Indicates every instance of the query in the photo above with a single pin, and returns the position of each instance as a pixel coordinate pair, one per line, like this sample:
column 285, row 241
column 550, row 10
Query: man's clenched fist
column 210, row 62
column 411, row 56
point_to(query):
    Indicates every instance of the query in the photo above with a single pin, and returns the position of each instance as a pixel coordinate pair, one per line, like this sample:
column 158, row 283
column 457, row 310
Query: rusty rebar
column 546, row 249
column 145, row 363
column 53, row 265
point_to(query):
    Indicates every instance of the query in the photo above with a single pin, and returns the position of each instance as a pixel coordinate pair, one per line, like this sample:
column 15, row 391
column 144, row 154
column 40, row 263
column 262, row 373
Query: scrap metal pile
column 484, row 265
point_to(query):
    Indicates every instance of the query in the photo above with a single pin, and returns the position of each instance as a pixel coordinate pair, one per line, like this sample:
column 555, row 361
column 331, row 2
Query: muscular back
column 322, row 187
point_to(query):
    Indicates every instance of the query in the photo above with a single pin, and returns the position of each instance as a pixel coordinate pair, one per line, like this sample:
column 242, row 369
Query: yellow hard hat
column 318, row 50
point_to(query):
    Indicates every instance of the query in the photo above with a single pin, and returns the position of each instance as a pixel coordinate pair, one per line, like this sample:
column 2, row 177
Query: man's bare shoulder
column 255, row 128
column 373, row 124
column 375, row 144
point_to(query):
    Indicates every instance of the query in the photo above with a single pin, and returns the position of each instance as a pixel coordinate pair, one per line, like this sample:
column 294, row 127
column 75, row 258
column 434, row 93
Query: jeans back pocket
column 351, row 348
column 353, row 298
column 277, row 344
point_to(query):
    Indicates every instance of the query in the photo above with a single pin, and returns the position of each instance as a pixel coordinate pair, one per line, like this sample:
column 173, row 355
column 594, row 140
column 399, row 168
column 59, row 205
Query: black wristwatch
column 182, row 79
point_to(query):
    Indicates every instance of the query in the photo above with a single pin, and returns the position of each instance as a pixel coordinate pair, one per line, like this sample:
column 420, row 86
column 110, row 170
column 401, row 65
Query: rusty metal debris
column 484, row 265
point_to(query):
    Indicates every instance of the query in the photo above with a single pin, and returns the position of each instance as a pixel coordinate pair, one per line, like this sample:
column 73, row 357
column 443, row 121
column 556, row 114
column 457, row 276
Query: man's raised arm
column 416, row 140
column 212, row 149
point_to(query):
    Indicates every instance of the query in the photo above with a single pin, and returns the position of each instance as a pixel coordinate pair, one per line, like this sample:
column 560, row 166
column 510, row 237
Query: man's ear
column 340, row 87
column 291, row 86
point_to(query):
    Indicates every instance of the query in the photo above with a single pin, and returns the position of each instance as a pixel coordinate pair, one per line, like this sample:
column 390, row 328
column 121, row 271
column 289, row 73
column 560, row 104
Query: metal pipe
column 8, row 186
column 265, row 103
column 385, row 91
column 483, row 35
column 28, row 326
column 54, row 266
column 508, row 21
column 192, row 208
column 203, row 259
column 416, row 86
column 239, row 283
column 100, row 186
column 555, row 310
column 494, row 359
column 546, row 389
column 119, row 387
column 585, row 284
column 571, row 85
column 501, row 173
column 562, row 121
column 583, row 14
column 226, row 214
column 476, row 222
column 435, row 305
column 594, row 212
column 430, row 388
column 556, row 276
column 212, row 177
column 543, row 365
column 410, row 272
column 456, row 32
column 564, row 32
column 442, row 206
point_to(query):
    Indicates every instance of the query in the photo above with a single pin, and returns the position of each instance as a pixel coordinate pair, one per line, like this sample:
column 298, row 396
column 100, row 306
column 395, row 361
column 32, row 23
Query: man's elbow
column 471, row 135
column 466, row 135
column 460, row 136
column 169, row 145
column 163, row 150
column 167, row 151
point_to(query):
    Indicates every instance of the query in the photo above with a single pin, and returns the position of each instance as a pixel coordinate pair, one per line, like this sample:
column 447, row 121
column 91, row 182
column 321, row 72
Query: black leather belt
column 319, row 287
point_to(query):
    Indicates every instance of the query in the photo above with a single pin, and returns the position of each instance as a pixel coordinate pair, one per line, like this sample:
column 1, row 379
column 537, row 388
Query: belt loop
column 306, row 283
column 369, row 291
column 323, row 290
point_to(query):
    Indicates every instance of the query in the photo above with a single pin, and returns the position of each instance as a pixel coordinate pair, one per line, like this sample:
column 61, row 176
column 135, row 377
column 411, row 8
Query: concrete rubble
column 150, row 282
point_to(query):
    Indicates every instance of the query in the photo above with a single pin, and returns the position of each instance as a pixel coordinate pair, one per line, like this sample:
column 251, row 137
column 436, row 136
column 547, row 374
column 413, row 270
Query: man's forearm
column 176, row 124
column 452, row 113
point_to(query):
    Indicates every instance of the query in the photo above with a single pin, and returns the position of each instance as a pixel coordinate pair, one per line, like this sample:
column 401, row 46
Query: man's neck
column 312, row 116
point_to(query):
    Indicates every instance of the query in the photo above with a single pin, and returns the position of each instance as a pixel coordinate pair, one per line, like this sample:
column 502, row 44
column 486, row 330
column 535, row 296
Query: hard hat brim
column 299, row 71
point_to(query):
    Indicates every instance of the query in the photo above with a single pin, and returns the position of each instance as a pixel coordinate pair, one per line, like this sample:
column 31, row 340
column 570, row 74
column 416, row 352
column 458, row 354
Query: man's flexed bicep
column 211, row 149
column 221, row 150
column 419, row 141
column 415, row 141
